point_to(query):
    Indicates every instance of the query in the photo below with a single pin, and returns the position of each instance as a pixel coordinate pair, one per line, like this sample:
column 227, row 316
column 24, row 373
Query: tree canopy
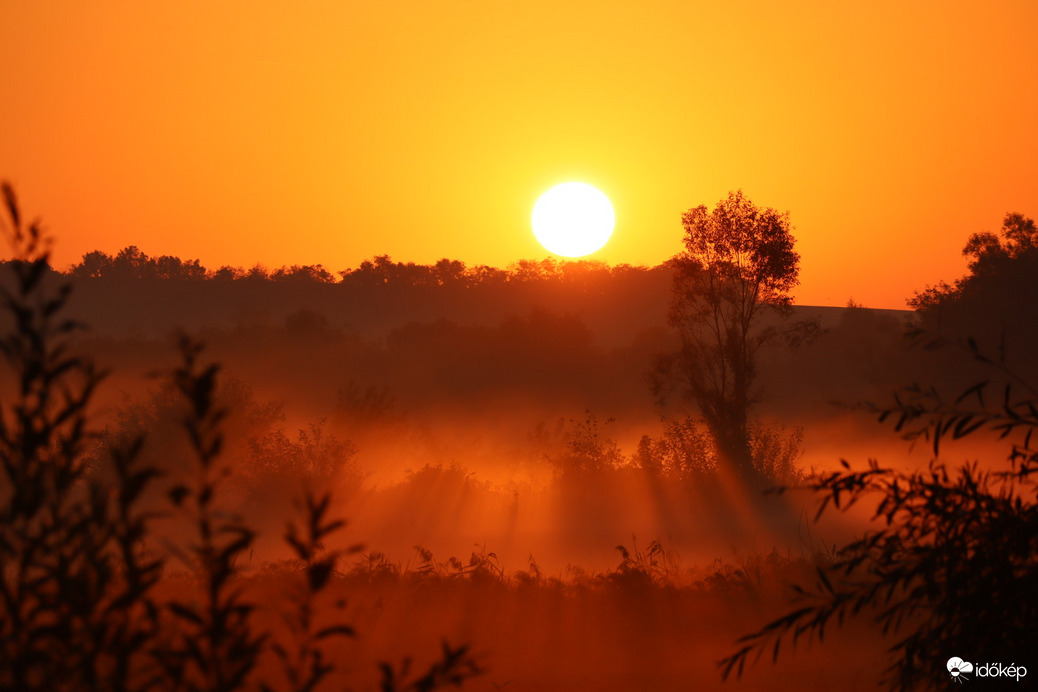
column 1003, row 263
column 996, row 303
column 739, row 261
column 133, row 263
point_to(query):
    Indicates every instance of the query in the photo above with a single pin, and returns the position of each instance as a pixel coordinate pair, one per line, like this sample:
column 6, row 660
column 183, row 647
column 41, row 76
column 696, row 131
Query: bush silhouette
column 79, row 603
column 685, row 452
column 76, row 610
column 953, row 568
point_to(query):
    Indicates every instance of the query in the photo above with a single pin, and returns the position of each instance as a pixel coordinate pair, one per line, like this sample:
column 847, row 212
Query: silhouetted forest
column 568, row 315
column 371, row 299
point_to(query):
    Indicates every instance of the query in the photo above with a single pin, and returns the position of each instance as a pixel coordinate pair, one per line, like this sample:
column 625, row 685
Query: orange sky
column 329, row 132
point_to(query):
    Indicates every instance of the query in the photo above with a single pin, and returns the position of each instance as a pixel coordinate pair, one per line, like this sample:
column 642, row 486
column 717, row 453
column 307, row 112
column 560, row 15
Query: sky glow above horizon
column 244, row 133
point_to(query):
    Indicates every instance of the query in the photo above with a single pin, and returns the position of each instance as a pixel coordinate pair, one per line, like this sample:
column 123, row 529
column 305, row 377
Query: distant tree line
column 132, row 263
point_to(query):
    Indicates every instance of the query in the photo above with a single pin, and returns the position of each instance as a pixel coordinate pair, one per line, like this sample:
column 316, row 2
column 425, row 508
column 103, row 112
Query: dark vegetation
column 951, row 568
column 134, row 264
column 739, row 263
column 404, row 288
column 81, row 606
column 994, row 303
column 439, row 405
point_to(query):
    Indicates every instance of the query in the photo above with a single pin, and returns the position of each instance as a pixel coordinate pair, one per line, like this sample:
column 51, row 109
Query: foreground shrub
column 953, row 568
column 79, row 608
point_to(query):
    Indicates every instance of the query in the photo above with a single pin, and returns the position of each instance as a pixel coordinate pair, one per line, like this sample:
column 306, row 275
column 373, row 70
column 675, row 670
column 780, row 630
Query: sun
column 573, row 219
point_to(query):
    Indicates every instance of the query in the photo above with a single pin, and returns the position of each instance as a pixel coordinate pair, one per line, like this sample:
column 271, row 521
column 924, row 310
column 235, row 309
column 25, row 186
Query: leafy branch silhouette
column 953, row 567
column 78, row 608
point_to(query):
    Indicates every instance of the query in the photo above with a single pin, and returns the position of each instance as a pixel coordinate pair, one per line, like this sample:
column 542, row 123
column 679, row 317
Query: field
column 520, row 511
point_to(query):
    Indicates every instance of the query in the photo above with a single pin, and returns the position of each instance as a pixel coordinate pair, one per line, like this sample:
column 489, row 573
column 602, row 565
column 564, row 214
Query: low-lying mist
column 450, row 436
column 509, row 477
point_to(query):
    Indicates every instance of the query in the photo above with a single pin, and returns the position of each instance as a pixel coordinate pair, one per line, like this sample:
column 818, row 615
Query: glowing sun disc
column 573, row 219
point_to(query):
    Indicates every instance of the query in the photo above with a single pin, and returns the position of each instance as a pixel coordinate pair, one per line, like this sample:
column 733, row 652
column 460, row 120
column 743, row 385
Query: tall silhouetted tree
column 738, row 263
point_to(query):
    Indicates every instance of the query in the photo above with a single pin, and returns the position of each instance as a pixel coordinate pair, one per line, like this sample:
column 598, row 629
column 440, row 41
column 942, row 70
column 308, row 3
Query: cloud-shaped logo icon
column 957, row 667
